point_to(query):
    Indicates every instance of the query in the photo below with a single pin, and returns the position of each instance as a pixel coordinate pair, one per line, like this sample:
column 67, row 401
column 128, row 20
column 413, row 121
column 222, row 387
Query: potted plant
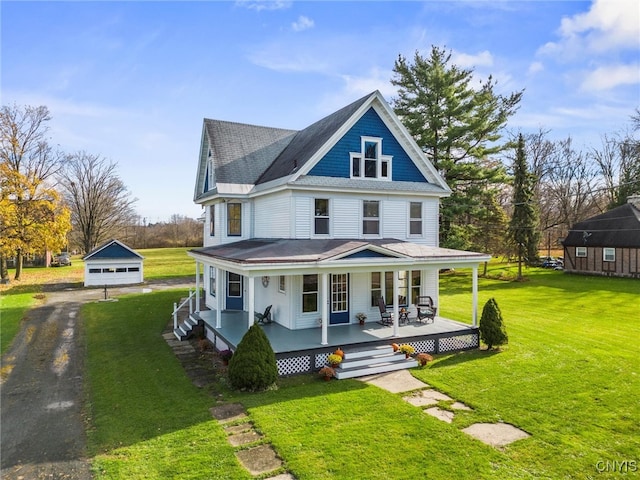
column 327, row 373
column 226, row 355
column 334, row 360
column 407, row 349
column 423, row 359
column 361, row 317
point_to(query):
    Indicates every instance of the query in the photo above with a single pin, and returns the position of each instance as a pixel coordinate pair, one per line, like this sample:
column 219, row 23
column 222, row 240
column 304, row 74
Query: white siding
column 431, row 219
column 113, row 272
column 303, row 208
column 272, row 218
column 347, row 217
column 394, row 218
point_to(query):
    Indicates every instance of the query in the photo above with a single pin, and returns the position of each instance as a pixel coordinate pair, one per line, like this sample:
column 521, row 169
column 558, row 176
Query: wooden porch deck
column 300, row 351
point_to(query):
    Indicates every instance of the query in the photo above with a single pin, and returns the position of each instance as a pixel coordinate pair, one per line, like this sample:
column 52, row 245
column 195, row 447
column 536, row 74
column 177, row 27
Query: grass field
column 569, row 376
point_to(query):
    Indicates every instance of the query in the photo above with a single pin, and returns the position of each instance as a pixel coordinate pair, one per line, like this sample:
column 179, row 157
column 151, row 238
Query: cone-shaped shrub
column 253, row 365
column 492, row 329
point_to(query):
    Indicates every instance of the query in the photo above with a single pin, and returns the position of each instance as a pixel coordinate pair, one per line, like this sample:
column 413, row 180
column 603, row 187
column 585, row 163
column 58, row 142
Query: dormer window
column 369, row 162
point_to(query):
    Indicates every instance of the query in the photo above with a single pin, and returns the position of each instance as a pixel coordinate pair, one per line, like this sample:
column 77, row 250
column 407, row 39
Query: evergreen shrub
column 253, row 365
column 492, row 329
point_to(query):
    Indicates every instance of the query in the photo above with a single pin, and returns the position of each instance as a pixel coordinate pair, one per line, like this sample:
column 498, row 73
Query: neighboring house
column 113, row 263
column 320, row 223
column 607, row 244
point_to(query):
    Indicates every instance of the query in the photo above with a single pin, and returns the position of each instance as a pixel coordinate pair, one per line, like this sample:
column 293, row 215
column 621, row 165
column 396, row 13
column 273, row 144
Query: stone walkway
column 422, row 395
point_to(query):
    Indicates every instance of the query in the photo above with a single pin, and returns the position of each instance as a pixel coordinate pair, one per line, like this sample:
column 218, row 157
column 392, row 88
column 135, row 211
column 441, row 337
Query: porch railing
column 176, row 308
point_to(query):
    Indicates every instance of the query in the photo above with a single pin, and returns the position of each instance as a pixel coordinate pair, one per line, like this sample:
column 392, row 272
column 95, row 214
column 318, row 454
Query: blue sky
column 132, row 81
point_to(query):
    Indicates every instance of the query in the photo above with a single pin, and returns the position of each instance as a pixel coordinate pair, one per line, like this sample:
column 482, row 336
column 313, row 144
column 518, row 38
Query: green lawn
column 569, row 377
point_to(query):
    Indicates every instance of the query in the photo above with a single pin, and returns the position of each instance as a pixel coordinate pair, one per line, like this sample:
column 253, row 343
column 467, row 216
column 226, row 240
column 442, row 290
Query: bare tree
column 100, row 203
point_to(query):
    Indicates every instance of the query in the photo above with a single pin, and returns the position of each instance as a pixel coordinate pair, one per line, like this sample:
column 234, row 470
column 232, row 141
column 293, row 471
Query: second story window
column 370, row 217
column 212, row 220
column 234, row 219
column 369, row 162
column 415, row 218
column 321, row 216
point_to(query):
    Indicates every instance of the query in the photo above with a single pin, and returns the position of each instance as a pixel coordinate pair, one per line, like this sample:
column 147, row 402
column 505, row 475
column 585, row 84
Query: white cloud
column 607, row 77
column 303, row 23
column 465, row 60
column 609, row 25
column 535, row 67
column 260, row 5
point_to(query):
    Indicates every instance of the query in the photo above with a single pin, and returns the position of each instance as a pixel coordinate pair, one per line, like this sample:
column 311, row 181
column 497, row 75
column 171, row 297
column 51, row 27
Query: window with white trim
column 234, row 219
column 321, row 216
column 281, row 284
column 309, row 293
column 408, row 287
column 212, row 220
column 415, row 218
column 581, row 251
column 369, row 162
column 370, row 217
column 608, row 254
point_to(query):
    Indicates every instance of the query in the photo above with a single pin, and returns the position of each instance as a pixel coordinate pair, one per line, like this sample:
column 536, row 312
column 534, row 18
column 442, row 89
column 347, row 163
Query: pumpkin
column 339, row 352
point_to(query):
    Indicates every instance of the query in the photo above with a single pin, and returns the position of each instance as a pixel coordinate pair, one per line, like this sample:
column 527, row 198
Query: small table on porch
column 403, row 316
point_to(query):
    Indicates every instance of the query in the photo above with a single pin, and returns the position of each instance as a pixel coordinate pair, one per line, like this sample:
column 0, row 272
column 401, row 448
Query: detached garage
column 113, row 264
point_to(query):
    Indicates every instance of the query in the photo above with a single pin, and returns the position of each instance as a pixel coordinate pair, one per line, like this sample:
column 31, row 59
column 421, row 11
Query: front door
column 339, row 299
column 234, row 291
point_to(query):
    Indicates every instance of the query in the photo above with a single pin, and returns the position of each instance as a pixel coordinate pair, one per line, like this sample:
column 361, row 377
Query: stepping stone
column 460, row 406
column 244, row 438
column 259, row 460
column 496, row 434
column 228, row 412
column 426, row 397
column 235, row 429
column 444, row 415
column 395, row 382
column 282, row 476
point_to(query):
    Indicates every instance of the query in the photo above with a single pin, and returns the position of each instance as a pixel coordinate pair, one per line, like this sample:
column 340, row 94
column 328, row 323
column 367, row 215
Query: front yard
column 569, row 377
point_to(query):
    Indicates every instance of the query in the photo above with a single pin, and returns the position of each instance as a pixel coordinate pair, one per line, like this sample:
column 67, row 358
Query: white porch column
column 324, row 301
column 197, row 286
column 474, row 289
column 396, row 310
column 251, row 300
column 219, row 291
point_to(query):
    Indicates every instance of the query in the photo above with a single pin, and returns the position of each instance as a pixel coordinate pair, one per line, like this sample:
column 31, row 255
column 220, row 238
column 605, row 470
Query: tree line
column 512, row 193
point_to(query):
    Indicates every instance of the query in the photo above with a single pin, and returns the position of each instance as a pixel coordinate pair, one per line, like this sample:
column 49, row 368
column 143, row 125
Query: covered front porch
column 301, row 351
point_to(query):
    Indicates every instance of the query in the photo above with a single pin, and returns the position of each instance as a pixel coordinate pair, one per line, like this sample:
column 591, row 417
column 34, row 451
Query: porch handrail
column 177, row 308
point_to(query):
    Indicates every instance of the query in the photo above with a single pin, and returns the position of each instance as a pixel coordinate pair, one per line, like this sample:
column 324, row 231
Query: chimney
column 634, row 200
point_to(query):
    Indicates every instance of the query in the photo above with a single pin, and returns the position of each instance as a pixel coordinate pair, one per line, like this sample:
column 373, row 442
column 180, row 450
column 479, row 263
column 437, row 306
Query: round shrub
column 253, row 365
column 492, row 329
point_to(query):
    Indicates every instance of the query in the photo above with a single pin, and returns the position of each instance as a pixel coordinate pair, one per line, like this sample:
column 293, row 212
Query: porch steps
column 184, row 328
column 358, row 363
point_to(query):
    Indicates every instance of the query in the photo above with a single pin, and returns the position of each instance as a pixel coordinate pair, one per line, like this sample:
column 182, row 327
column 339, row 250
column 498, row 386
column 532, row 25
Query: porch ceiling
column 260, row 255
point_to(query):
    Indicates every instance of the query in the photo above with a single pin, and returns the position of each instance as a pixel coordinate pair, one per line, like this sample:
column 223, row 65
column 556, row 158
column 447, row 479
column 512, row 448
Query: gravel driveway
column 43, row 432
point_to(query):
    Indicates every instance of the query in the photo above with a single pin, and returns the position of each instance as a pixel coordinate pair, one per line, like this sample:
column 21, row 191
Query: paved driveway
column 42, row 429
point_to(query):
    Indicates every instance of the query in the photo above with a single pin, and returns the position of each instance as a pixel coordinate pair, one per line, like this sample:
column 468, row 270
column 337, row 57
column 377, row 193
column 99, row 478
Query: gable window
column 608, row 254
column 369, row 162
column 309, row 293
column 212, row 220
column 234, row 219
column 212, row 281
column 581, row 251
column 370, row 217
column 415, row 218
column 321, row 216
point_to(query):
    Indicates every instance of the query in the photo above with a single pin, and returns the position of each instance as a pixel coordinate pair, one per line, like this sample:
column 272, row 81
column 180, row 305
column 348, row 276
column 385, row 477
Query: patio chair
column 386, row 317
column 264, row 318
column 426, row 309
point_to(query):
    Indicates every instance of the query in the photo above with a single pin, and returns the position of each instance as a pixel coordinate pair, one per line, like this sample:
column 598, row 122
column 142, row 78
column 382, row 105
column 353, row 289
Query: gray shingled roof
column 307, row 142
column 269, row 251
column 619, row 227
column 243, row 152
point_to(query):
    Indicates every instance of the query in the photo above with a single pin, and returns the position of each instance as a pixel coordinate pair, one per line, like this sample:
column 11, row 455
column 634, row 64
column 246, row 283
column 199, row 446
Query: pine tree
column 523, row 228
column 492, row 329
column 458, row 127
column 253, row 365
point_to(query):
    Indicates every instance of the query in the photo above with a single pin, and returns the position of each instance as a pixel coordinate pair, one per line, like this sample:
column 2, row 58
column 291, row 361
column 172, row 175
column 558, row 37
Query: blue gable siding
column 366, row 253
column 336, row 162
